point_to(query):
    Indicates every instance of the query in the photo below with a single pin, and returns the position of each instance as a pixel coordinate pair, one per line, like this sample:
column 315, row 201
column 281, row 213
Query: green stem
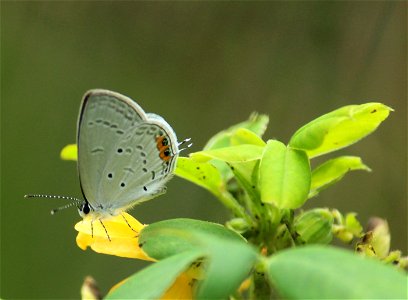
column 260, row 287
column 229, row 202
column 292, row 232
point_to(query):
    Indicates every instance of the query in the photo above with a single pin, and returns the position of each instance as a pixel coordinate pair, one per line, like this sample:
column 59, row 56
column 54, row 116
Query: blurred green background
column 203, row 66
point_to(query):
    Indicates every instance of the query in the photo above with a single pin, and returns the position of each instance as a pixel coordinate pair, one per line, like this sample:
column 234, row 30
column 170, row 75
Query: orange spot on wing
column 162, row 147
column 164, row 156
column 159, row 141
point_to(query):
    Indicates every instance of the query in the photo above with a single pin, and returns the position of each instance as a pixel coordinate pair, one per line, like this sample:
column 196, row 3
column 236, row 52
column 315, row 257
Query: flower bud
column 342, row 234
column 352, row 225
column 315, row 226
column 381, row 236
column 238, row 225
column 90, row 289
column 364, row 247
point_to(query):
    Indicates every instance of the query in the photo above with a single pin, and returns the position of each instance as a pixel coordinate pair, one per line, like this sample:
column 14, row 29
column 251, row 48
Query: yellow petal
column 182, row 288
column 245, row 285
column 69, row 152
column 122, row 226
column 117, row 236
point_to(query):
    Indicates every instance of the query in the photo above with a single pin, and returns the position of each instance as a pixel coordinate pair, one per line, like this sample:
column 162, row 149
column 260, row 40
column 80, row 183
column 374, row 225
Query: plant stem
column 229, row 201
column 260, row 287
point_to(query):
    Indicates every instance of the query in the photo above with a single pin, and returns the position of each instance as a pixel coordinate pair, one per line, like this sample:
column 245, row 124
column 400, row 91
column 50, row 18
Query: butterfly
column 125, row 156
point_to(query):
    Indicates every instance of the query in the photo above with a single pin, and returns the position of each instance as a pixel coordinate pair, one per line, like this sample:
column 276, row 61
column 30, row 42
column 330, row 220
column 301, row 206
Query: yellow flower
column 118, row 235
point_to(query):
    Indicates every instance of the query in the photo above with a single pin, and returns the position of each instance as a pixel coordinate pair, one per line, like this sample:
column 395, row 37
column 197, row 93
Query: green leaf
column 284, row 178
column 241, row 153
column 317, row 272
column 153, row 281
column 247, row 175
column 230, row 263
column 166, row 238
column 247, row 132
column 240, row 136
column 209, row 177
column 243, row 136
column 339, row 128
column 332, row 171
column 202, row 174
column 228, row 259
column 256, row 123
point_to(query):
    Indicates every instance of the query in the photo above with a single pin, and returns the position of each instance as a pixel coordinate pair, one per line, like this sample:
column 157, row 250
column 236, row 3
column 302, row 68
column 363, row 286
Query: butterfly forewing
column 124, row 155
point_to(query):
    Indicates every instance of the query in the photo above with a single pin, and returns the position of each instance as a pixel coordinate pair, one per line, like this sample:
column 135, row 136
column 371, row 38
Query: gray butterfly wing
column 125, row 156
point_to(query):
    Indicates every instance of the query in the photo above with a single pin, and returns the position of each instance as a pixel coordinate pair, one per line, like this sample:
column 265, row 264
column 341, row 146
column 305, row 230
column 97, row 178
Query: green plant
column 270, row 247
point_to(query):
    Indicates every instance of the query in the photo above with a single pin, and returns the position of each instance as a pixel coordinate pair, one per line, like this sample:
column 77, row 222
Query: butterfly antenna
column 55, row 210
column 77, row 201
column 183, row 142
column 53, row 197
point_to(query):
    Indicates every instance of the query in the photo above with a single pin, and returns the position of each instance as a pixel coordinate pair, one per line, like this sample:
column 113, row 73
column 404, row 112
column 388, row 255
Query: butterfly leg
column 123, row 216
column 106, row 231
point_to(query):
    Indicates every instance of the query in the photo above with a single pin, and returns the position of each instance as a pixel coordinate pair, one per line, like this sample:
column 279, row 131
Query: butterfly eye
column 85, row 209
